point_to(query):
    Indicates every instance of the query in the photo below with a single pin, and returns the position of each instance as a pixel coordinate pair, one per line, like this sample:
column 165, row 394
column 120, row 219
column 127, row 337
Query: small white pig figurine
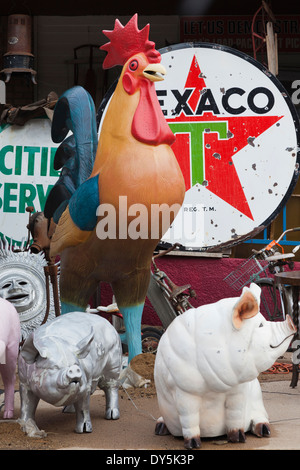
column 63, row 361
column 207, row 365
column 10, row 335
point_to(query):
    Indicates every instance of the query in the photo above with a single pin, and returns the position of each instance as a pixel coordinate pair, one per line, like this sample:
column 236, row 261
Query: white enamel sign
column 26, row 174
column 237, row 142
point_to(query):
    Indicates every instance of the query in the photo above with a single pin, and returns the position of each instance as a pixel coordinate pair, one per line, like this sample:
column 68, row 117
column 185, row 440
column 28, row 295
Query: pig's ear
column 83, row 347
column 256, row 291
column 29, row 351
column 246, row 307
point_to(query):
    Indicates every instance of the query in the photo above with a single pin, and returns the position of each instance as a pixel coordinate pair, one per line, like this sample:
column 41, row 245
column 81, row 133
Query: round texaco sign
column 237, row 143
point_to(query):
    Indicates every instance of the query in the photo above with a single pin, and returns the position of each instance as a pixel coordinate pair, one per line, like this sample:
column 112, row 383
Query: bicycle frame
column 270, row 258
column 276, row 264
column 175, row 299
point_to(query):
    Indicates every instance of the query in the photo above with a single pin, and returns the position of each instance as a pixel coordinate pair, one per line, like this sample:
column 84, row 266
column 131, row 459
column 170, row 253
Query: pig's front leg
column 111, row 390
column 258, row 416
column 235, row 414
column 83, row 419
column 188, row 409
column 29, row 403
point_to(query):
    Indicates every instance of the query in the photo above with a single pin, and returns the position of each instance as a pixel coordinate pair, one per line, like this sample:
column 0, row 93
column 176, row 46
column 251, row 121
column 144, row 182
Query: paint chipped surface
column 265, row 146
column 250, row 141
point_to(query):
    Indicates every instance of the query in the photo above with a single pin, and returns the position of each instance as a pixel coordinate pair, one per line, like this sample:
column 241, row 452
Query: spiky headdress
column 30, row 267
column 126, row 41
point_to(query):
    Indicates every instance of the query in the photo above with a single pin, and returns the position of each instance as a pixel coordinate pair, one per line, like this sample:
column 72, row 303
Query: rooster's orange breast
column 144, row 174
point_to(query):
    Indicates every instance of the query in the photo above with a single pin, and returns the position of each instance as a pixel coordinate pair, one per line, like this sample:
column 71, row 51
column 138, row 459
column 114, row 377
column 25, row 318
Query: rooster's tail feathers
column 75, row 112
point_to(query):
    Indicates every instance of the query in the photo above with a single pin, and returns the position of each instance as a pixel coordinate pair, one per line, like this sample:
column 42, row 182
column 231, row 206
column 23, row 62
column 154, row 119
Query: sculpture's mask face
column 19, row 288
column 23, row 283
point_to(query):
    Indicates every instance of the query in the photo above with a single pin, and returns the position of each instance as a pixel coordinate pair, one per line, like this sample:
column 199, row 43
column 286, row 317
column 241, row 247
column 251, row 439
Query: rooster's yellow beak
column 154, row 72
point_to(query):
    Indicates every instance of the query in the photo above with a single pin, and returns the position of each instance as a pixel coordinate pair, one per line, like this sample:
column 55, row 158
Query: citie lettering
column 20, row 168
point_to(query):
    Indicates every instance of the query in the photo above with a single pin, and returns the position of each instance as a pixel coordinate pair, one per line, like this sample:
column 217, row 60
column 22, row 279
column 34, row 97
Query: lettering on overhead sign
column 17, row 162
column 27, row 174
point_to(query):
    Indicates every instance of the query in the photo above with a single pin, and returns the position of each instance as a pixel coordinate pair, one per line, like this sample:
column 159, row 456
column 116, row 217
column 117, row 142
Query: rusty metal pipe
column 19, row 35
column 18, row 57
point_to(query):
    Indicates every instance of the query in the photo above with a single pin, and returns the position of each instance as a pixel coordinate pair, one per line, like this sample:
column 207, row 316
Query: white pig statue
column 63, row 361
column 207, row 365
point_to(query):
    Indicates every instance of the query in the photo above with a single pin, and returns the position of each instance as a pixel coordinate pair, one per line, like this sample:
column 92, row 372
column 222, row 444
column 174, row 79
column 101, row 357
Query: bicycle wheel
column 150, row 340
column 270, row 299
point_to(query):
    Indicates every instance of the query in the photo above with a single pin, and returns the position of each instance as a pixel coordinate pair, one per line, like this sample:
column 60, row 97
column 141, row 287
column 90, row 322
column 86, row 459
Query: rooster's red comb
column 126, row 41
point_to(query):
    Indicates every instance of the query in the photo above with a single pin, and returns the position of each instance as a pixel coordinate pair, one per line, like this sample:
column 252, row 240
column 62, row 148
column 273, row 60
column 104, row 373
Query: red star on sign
column 218, row 145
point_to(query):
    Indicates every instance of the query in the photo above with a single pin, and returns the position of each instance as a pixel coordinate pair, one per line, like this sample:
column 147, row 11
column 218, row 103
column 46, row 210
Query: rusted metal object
column 39, row 228
column 177, row 296
column 19, row 57
column 51, row 271
column 259, row 38
column 20, row 115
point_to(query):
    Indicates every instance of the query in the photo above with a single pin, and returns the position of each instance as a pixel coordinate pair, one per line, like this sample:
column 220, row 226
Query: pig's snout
column 290, row 324
column 281, row 331
column 71, row 375
column 74, row 374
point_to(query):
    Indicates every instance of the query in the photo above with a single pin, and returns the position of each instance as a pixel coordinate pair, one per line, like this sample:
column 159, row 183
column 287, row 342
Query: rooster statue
column 133, row 160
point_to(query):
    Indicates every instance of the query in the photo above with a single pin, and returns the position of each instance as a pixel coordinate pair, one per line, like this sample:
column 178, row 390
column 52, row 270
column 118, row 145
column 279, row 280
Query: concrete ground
column 135, row 428
column 134, row 431
column 283, row 406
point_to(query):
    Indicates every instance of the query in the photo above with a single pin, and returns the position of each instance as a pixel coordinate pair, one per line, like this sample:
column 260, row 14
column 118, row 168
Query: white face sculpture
column 23, row 283
column 18, row 287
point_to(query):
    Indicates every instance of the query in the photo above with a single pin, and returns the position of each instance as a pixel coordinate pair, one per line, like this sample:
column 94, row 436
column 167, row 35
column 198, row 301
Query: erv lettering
column 22, row 169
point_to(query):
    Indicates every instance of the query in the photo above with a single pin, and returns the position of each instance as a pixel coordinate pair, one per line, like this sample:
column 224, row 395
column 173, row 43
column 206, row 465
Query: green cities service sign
column 26, row 174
